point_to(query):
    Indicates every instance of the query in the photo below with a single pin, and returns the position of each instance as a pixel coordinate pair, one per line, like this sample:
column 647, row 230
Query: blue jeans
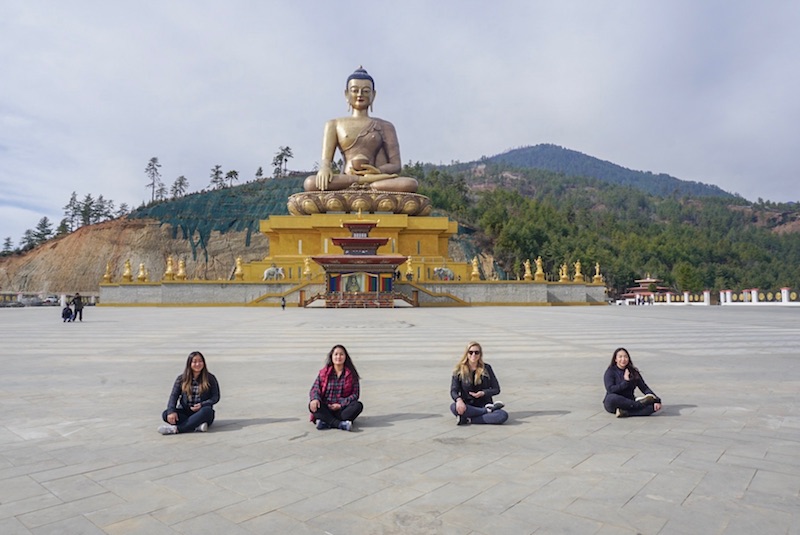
column 479, row 415
column 612, row 402
column 188, row 421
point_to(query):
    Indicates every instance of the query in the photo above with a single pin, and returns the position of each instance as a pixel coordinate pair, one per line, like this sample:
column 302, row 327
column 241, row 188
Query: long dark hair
column 348, row 362
column 188, row 375
column 635, row 375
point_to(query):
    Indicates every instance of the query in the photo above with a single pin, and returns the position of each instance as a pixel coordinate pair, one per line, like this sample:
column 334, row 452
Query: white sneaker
column 168, row 429
column 202, row 428
column 647, row 399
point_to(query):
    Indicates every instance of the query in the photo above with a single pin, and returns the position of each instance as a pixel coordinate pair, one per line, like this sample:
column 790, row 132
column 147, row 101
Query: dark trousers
column 479, row 415
column 334, row 418
column 188, row 421
column 78, row 314
column 612, row 402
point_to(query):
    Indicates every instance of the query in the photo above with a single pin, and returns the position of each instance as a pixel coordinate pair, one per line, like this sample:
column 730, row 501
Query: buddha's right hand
column 324, row 176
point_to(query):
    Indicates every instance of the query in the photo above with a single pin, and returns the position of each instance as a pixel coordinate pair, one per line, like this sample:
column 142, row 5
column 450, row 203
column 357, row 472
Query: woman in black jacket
column 191, row 402
column 621, row 379
column 472, row 388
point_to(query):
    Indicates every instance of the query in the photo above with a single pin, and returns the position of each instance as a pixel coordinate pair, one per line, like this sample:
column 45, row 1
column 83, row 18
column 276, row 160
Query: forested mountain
column 572, row 163
column 693, row 243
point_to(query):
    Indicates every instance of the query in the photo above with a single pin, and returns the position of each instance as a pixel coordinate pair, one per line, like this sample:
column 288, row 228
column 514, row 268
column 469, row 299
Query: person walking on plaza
column 283, row 303
column 77, row 302
column 473, row 387
column 333, row 399
column 191, row 402
column 621, row 379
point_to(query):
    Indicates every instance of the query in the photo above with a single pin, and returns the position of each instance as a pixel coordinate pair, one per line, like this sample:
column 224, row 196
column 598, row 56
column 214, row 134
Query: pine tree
column 8, row 246
column 179, row 187
column 44, row 230
column 72, row 212
column 153, row 174
column 217, row 180
column 232, row 175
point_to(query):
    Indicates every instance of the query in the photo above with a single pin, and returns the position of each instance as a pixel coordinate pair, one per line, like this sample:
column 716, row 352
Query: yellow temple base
column 293, row 240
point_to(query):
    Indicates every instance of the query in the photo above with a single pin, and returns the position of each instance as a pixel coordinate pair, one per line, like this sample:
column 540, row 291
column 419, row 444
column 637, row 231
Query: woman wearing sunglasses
column 472, row 387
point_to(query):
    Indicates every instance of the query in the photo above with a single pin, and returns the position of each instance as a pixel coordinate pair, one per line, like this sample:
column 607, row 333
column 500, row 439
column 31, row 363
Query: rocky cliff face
column 77, row 262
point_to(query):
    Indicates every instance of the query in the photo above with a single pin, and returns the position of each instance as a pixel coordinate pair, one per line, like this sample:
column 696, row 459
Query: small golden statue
column 181, row 276
column 578, row 275
column 107, row 276
column 142, row 275
column 563, row 273
column 539, row 275
column 127, row 275
column 476, row 274
column 528, row 275
column 169, row 274
column 307, row 266
column 238, row 273
column 598, row 278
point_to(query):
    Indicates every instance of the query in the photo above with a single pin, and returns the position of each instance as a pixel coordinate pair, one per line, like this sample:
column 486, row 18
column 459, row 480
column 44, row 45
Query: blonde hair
column 462, row 368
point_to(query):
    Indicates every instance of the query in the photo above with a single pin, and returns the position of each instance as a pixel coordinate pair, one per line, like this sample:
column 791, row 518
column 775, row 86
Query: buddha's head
column 360, row 89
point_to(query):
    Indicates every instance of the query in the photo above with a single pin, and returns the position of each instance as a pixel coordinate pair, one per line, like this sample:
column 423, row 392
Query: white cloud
column 92, row 90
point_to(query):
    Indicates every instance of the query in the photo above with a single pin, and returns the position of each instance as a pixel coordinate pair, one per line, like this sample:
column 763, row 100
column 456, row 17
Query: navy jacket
column 616, row 384
column 207, row 398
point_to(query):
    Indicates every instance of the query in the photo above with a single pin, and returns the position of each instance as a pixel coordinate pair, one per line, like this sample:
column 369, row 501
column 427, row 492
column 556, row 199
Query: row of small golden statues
column 143, row 274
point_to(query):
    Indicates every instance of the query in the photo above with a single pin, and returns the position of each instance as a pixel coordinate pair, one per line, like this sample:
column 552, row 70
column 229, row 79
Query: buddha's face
column 359, row 94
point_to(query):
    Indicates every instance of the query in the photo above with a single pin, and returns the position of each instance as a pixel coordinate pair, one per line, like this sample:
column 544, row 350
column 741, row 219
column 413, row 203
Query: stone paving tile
column 613, row 515
column 76, row 524
column 278, row 522
column 12, row 526
column 73, row 488
column 20, row 488
column 65, row 511
column 263, row 504
column 144, row 524
column 209, row 524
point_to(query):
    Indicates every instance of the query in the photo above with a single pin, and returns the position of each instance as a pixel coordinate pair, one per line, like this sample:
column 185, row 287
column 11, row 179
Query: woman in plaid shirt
column 198, row 391
column 333, row 400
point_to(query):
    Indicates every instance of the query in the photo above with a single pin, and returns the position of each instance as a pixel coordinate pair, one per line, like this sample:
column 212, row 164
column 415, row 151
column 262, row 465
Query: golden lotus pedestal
column 358, row 199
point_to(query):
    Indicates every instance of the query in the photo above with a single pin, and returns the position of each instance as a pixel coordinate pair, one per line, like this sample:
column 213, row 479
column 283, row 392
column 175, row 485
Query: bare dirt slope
column 77, row 262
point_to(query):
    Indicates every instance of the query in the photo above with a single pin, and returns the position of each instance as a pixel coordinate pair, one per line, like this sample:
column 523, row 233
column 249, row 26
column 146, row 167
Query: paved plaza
column 81, row 403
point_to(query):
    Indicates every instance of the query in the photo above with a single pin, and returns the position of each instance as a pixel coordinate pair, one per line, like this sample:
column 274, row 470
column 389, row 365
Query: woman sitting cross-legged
column 621, row 379
column 333, row 399
column 472, row 387
column 191, row 402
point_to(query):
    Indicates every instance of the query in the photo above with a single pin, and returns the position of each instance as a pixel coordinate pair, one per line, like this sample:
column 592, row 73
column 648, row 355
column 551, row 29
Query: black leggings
column 334, row 418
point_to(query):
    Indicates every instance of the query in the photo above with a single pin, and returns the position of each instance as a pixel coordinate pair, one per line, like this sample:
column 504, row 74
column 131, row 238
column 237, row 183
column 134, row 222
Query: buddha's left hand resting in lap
column 368, row 144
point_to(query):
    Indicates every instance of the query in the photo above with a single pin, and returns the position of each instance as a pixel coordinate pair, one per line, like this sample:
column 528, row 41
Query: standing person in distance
column 333, row 399
column 621, row 379
column 191, row 402
column 77, row 302
column 472, row 388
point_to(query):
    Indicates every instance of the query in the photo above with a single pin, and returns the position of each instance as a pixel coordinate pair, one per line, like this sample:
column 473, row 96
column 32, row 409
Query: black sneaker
column 462, row 420
column 621, row 413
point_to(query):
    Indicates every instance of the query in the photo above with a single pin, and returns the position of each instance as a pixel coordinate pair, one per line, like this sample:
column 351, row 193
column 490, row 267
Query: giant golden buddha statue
column 369, row 180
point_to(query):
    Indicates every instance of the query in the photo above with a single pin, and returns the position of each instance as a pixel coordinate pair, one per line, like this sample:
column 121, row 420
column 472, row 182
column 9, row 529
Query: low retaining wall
column 216, row 293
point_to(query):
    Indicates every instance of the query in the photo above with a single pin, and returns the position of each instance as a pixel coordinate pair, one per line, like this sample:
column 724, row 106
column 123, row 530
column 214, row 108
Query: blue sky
column 91, row 90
